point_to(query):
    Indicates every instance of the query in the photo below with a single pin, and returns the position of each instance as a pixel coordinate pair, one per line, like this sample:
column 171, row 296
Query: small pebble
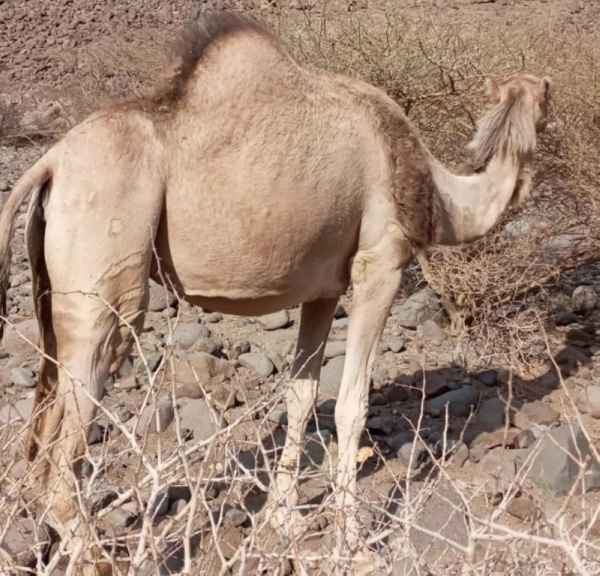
column 525, row 439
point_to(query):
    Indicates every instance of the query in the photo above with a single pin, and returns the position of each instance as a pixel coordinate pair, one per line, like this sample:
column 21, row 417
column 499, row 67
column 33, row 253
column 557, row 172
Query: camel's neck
column 469, row 206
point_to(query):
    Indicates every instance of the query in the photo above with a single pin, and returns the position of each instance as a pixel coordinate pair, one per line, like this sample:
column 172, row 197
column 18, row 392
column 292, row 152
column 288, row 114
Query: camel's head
column 533, row 93
column 520, row 111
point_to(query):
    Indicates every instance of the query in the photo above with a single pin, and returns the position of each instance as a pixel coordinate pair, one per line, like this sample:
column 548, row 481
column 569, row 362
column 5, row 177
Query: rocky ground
column 457, row 461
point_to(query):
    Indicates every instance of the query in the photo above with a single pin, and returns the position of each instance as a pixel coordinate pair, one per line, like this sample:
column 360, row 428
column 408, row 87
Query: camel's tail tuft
column 36, row 177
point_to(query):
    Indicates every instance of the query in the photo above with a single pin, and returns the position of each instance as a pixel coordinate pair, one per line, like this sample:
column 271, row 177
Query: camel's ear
column 491, row 90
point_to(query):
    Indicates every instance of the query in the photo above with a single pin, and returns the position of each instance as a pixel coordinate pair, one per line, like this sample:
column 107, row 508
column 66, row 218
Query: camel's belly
column 254, row 286
column 251, row 307
column 246, row 255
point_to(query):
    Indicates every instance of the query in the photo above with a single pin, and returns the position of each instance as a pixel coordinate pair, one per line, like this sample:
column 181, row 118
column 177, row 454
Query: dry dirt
column 459, row 499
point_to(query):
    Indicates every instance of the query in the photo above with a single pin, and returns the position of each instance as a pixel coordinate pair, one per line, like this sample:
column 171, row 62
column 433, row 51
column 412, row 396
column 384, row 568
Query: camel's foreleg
column 301, row 396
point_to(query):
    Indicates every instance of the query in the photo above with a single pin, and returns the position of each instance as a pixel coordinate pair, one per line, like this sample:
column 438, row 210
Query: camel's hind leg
column 91, row 290
column 87, row 340
column 315, row 323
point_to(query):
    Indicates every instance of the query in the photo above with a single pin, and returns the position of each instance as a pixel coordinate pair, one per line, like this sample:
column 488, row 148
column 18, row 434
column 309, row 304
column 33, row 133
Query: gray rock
column 442, row 513
column 156, row 419
column 198, row 369
column 435, row 383
column 395, row 394
column 258, row 362
column 517, row 229
column 23, row 539
column 19, row 411
column 19, row 279
column 169, row 312
column 491, row 414
column 380, row 376
column 194, row 415
column 121, row 517
column 535, row 413
column 500, row 465
column 408, row 448
column 340, row 324
column 459, row 402
column 335, row 348
column 418, row 308
column 178, row 506
column 173, row 493
column 584, row 299
column 238, row 349
column 525, row 439
column 377, row 399
column 234, row 516
column 476, row 453
column 96, row 434
column 101, row 499
column 433, row 333
column 396, row 344
column 212, row 318
column 588, row 401
column 385, row 423
column 279, row 414
column 461, row 454
column 160, row 506
column 186, row 335
column 23, row 377
column 14, row 344
column 19, row 469
column 279, row 361
column 275, row 321
column 554, row 460
column 317, row 448
column 331, row 378
column 566, row 318
column 206, row 345
column 160, row 298
column 488, row 377
column 179, row 492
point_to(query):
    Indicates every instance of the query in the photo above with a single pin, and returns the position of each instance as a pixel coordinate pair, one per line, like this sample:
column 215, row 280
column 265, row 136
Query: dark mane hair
column 192, row 45
column 509, row 124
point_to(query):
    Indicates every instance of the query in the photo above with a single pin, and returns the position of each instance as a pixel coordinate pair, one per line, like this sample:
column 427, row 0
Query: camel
column 254, row 184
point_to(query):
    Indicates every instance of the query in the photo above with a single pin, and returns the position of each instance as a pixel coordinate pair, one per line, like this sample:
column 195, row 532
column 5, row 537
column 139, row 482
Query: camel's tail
column 36, row 177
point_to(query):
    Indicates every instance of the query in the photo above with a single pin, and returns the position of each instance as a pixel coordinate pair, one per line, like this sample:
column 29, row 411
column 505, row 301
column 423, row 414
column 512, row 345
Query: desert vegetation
column 481, row 450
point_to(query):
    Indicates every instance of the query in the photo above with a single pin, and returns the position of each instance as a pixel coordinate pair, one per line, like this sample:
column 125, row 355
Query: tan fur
column 511, row 126
column 260, row 185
